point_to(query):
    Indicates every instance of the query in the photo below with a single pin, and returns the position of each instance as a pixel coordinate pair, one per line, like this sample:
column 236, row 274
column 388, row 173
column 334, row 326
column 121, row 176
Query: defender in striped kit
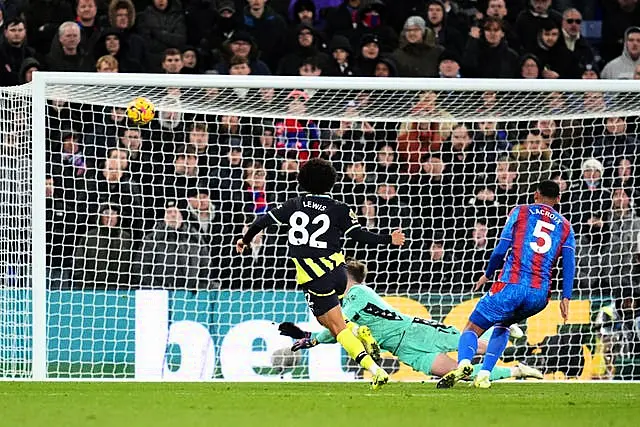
column 315, row 225
column 532, row 240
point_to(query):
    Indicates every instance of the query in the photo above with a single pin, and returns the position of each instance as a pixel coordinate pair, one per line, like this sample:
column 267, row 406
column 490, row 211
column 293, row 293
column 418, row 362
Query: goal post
column 131, row 270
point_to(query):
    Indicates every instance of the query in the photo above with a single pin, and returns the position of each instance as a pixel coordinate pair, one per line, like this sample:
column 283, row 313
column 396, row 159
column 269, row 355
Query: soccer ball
column 141, row 111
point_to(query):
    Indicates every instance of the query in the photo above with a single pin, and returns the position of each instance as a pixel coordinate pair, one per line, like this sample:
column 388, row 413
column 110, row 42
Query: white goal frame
column 39, row 99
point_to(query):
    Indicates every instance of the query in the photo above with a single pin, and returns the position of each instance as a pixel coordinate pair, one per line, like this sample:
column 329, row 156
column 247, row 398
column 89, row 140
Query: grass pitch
column 313, row 404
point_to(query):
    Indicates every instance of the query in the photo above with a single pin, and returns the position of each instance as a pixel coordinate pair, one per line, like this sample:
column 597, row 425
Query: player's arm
column 278, row 215
column 500, row 251
column 568, row 273
column 355, row 231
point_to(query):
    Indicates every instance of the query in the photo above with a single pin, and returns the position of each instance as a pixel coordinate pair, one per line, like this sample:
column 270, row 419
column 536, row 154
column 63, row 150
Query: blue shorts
column 507, row 304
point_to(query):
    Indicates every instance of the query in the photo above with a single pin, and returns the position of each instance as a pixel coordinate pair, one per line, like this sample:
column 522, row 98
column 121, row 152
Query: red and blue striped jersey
column 537, row 233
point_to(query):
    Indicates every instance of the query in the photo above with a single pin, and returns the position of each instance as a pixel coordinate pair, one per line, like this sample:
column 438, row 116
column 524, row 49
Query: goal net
column 141, row 278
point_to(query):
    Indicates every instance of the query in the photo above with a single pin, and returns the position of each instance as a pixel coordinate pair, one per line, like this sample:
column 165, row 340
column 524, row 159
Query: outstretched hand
column 564, row 309
column 397, row 237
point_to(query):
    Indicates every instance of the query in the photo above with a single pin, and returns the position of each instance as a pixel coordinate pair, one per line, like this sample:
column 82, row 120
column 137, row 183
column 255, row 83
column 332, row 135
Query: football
column 141, row 111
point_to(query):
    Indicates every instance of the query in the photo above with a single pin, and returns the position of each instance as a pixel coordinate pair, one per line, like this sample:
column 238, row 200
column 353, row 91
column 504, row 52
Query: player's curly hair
column 317, row 176
column 357, row 270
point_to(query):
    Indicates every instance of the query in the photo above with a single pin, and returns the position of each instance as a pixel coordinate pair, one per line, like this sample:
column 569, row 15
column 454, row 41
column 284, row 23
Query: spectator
column 107, row 64
column 624, row 177
column 498, row 9
column 489, row 56
column 342, row 20
column 43, row 18
column 624, row 227
column 90, row 27
column 268, row 29
column 162, row 25
column 366, row 61
column 66, row 55
column 111, row 43
column 300, row 137
column 447, row 36
column 463, row 160
column 227, row 23
column 556, row 60
column 356, row 182
column 623, row 67
column 418, row 54
column 385, row 67
column 530, row 22
column 529, row 67
column 372, row 19
column 305, row 12
column 242, row 44
column 437, row 270
column 122, row 17
column 190, row 61
column 476, row 252
column 306, row 48
column 590, row 72
column 170, row 256
column 616, row 143
column 617, row 16
column 386, row 168
column 111, row 185
column 496, row 199
column 172, row 61
column 13, row 51
column 449, row 66
column 341, row 62
column 139, row 156
column 205, row 225
column 430, row 191
column 534, row 159
column 27, row 68
column 103, row 257
column 571, row 24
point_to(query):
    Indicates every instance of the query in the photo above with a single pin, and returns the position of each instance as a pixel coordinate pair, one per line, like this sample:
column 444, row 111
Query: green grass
column 313, row 404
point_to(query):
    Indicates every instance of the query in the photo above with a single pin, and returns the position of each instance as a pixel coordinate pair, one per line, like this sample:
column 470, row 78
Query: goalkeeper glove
column 303, row 338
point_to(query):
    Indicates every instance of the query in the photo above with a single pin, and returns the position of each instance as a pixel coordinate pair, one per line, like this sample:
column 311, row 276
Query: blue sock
column 496, row 346
column 467, row 346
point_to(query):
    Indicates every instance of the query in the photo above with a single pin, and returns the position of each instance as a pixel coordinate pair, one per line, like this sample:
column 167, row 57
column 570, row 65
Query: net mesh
column 15, row 233
column 141, row 221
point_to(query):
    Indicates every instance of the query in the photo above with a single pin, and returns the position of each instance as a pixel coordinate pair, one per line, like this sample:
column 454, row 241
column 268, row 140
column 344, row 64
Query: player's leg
column 334, row 321
column 443, row 364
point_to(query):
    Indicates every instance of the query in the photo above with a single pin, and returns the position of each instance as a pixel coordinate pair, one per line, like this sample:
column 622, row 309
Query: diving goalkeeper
column 419, row 343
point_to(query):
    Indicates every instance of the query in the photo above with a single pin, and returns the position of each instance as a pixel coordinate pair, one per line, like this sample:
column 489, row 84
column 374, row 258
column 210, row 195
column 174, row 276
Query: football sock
column 353, row 327
column 356, row 350
column 496, row 346
column 467, row 346
column 498, row 373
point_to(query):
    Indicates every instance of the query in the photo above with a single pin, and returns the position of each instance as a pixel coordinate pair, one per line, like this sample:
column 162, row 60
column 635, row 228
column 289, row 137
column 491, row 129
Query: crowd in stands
column 159, row 206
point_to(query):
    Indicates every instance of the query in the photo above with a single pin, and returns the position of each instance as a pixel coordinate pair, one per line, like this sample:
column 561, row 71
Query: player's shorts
column 424, row 341
column 507, row 304
column 323, row 293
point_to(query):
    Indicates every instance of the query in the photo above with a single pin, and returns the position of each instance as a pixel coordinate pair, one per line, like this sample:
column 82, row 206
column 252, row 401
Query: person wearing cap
column 268, row 29
column 341, row 63
column 162, row 25
column 241, row 43
column 590, row 71
column 367, row 58
column 590, row 201
column 418, row 53
column 306, row 47
column 487, row 53
column 385, row 67
column 372, row 19
column 111, row 43
column 623, row 67
column 449, row 65
column 446, row 35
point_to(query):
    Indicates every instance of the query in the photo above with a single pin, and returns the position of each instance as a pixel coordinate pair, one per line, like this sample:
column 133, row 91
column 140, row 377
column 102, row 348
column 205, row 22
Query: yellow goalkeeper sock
column 356, row 350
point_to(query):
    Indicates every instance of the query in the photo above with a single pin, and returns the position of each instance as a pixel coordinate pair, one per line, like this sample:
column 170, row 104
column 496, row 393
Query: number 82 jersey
column 537, row 234
column 316, row 225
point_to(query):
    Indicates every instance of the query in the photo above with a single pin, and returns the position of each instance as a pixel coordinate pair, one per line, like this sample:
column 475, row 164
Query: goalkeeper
column 420, row 343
